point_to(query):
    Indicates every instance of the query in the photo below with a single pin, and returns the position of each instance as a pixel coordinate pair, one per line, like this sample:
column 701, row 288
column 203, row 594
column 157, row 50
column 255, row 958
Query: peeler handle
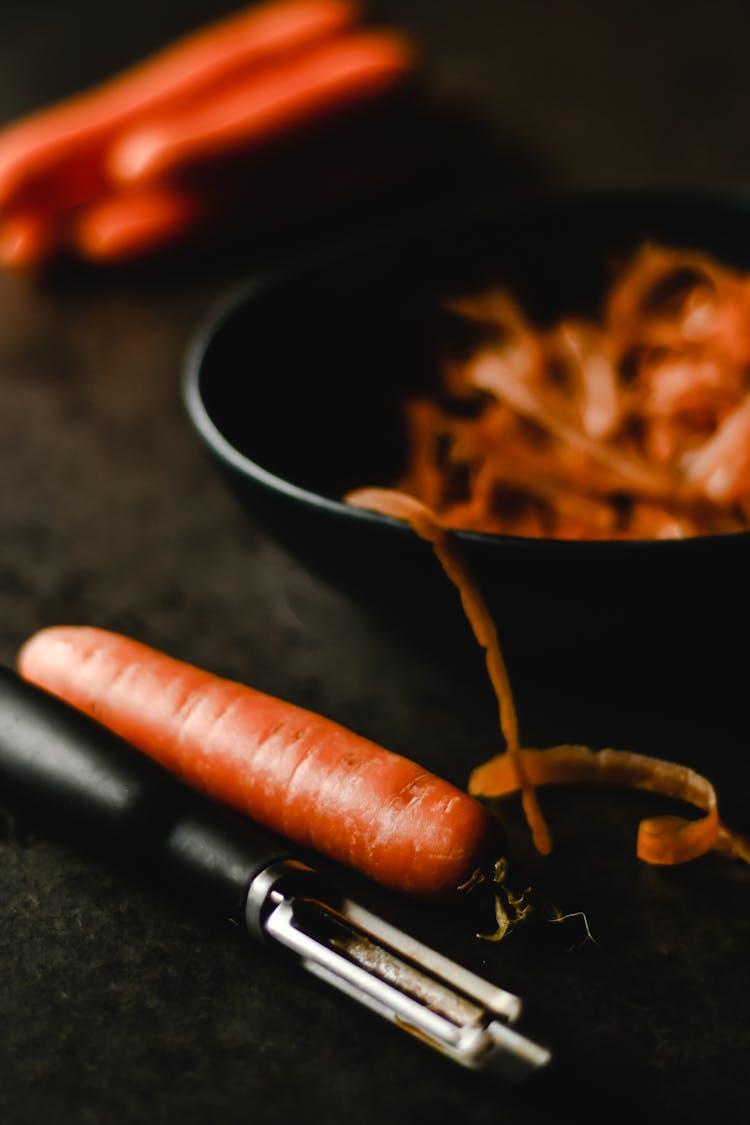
column 59, row 765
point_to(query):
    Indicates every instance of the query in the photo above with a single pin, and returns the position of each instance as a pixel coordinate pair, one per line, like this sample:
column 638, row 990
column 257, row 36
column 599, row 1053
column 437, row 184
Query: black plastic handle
column 60, row 766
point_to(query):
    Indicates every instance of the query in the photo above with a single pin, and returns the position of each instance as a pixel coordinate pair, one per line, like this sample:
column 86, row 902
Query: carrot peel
column 44, row 153
column 128, row 224
column 661, row 840
column 428, row 526
column 633, row 425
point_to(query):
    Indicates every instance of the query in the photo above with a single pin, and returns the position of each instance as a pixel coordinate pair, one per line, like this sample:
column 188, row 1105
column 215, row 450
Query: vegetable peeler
column 59, row 764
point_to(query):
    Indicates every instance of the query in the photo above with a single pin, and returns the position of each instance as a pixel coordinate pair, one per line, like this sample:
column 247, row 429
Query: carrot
column 661, row 840
column 325, row 82
column 593, row 375
column 55, row 155
column 722, row 464
column 124, row 226
column 295, row 772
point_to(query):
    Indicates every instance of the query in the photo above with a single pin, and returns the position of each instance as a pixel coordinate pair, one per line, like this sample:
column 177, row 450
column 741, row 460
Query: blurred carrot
column 324, row 82
column 295, row 188
column 55, row 155
column 124, row 226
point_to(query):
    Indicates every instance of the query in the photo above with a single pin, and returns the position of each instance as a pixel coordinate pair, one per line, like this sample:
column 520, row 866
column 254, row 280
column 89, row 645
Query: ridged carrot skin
column 328, row 80
column 55, row 154
column 299, row 774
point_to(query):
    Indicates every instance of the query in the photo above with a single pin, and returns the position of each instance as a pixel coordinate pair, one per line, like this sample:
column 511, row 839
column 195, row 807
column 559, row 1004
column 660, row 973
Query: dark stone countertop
column 120, row 1005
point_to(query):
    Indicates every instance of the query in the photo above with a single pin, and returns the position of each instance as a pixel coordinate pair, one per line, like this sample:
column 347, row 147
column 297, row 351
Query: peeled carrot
column 327, row 80
column 299, row 774
column 55, row 155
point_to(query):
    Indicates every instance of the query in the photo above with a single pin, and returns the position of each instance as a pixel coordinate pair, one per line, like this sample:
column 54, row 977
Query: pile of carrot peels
column 251, row 115
column 635, row 425
column 661, row 840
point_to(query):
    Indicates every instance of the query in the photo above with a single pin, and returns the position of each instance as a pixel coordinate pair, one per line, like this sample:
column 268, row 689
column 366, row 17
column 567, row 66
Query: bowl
column 294, row 384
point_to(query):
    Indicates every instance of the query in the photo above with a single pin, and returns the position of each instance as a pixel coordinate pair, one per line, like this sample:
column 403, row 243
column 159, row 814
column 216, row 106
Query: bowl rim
column 295, row 268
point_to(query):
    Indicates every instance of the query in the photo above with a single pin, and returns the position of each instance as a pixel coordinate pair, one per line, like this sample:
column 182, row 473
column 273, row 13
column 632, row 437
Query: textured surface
column 121, row 1006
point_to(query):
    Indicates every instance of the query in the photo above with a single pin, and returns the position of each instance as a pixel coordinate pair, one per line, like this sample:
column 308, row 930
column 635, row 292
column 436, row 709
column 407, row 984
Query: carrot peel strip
column 200, row 111
column 427, row 525
column 662, row 839
column 635, row 427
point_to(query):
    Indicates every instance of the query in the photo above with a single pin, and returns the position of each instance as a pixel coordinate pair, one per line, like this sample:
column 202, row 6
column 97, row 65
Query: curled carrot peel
column 633, row 425
column 299, row 774
column 126, row 225
column 661, row 840
column 427, row 525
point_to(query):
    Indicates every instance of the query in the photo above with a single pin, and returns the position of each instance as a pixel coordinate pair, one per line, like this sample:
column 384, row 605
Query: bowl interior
column 305, row 373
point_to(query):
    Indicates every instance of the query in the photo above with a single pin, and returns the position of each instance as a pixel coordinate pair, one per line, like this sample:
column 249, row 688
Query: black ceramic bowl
column 294, row 385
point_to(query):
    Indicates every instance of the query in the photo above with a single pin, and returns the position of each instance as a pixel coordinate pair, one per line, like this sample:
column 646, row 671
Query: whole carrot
column 322, row 83
column 297, row 773
column 55, row 155
column 120, row 227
